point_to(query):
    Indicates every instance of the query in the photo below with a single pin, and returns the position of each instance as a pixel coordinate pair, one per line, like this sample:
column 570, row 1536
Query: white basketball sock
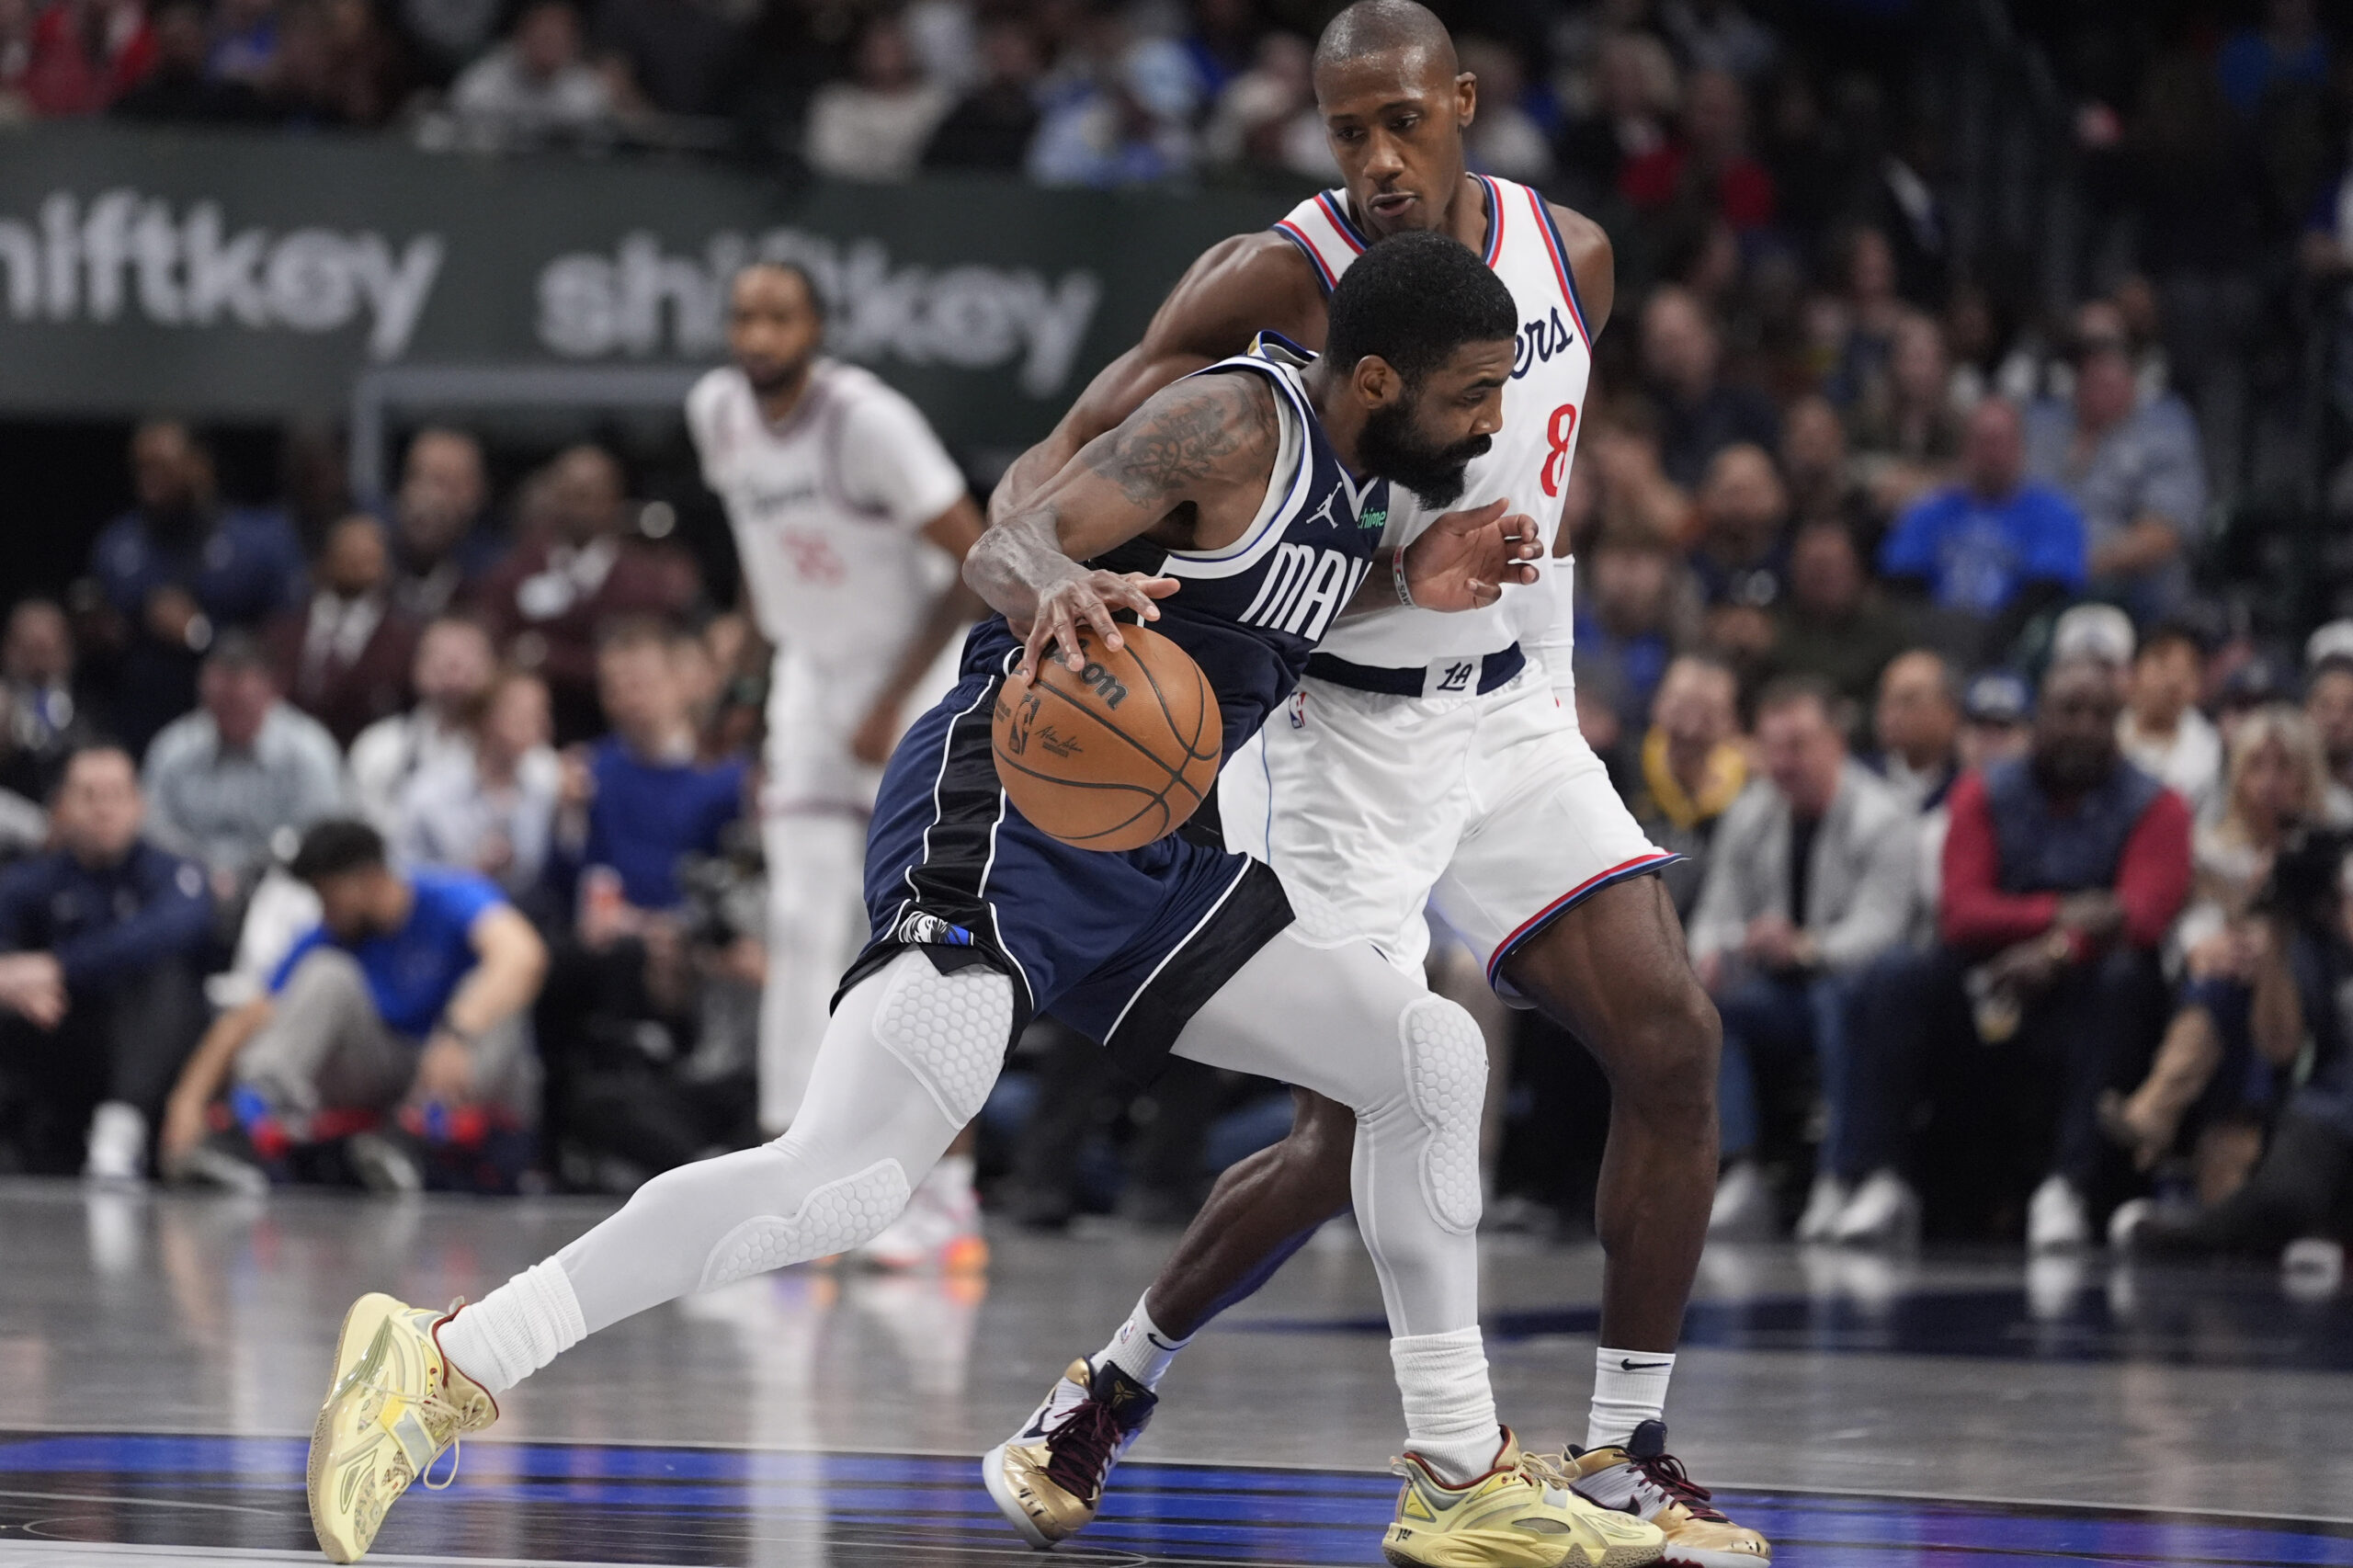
column 1450, row 1408
column 1141, row 1349
column 516, row 1329
column 1628, row 1388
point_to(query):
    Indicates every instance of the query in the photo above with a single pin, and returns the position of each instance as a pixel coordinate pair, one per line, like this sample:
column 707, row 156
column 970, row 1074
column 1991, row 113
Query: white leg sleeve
column 816, row 859
column 1345, row 1023
column 905, row 1041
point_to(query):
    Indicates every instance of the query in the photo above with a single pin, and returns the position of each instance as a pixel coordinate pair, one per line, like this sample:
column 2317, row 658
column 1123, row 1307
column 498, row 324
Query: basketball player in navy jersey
column 1433, row 762
column 1266, row 479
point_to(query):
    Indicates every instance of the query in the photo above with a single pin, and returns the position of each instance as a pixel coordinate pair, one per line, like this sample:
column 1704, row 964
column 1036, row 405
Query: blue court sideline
column 201, row 1496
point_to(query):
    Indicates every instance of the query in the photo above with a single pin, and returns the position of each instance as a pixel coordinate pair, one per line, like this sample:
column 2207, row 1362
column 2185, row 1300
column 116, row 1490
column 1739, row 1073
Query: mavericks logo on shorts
column 921, row 930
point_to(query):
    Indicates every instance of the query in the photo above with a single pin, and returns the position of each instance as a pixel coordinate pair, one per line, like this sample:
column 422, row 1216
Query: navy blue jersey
column 1251, row 612
column 1124, row 944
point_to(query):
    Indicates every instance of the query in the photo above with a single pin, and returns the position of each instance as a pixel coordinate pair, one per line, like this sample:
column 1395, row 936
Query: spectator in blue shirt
column 177, row 568
column 1996, row 545
column 640, row 799
column 103, row 939
column 643, row 990
column 411, row 992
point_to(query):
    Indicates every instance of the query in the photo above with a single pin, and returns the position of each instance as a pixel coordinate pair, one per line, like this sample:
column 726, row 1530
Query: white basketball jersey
column 828, row 509
column 1528, row 463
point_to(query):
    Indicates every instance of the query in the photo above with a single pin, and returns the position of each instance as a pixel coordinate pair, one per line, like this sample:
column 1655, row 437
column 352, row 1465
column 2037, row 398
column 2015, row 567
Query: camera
column 723, row 897
column 2304, row 883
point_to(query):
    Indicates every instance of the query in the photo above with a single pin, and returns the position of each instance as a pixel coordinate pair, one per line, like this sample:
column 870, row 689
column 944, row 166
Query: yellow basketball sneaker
column 1510, row 1517
column 1047, row 1479
column 396, row 1405
column 1643, row 1479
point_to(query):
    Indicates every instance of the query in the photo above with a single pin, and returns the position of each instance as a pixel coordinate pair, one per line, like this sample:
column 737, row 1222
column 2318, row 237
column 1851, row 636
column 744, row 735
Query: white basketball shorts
column 813, row 711
column 1490, row 809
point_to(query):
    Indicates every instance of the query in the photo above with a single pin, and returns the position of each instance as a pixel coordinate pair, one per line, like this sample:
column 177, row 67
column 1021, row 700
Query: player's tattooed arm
column 1235, row 289
column 1176, row 442
column 1189, row 466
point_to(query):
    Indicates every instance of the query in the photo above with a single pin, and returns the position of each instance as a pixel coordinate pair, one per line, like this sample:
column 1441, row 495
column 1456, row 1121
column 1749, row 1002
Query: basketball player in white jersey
column 1433, row 761
column 850, row 521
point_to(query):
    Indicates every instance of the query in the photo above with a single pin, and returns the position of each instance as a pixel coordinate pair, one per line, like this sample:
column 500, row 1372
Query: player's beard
column 1391, row 445
column 769, row 377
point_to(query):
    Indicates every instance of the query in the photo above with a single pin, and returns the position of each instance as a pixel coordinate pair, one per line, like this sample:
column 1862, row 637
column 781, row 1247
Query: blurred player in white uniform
column 850, row 522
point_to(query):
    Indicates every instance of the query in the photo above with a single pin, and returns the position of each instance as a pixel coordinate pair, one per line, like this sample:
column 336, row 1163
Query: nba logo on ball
column 1015, row 718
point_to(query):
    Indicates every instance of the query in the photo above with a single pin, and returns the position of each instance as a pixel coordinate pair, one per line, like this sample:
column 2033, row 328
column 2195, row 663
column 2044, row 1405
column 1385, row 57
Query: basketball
column 1116, row 755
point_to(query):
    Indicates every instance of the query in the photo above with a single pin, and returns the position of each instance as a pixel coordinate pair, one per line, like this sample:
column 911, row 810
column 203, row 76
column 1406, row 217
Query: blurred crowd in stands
column 423, row 855
column 2012, row 816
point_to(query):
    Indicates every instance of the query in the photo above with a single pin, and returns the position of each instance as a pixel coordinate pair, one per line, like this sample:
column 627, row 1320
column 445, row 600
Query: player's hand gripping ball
column 1114, row 755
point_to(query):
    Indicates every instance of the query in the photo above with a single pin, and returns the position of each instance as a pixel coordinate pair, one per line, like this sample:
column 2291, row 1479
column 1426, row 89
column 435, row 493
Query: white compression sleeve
column 869, row 1126
column 1413, row 1066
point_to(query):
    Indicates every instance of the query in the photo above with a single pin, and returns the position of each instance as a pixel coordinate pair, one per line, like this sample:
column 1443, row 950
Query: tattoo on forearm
column 1185, row 440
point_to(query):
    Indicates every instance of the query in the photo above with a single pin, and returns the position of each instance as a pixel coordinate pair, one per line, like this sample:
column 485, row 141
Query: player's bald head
column 1371, row 29
column 1394, row 102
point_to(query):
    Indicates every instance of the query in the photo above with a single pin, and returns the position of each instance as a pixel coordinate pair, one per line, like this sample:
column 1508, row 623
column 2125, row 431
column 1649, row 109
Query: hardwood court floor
column 161, row 1358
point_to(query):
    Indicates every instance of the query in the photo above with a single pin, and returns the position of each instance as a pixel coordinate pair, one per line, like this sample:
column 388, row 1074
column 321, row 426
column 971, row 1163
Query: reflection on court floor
column 127, row 1500
column 161, row 1355
column 2064, row 1309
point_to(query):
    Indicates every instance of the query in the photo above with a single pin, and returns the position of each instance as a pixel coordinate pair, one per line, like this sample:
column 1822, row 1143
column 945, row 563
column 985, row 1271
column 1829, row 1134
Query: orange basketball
column 1115, row 755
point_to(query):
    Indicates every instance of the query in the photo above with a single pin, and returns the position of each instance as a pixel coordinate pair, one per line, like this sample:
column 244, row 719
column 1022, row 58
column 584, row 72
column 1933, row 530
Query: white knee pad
column 1446, row 1078
column 949, row 1030
column 834, row 1217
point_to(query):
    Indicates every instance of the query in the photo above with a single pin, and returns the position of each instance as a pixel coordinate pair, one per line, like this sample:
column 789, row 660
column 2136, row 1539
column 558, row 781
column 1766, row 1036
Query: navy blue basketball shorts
column 1124, row 945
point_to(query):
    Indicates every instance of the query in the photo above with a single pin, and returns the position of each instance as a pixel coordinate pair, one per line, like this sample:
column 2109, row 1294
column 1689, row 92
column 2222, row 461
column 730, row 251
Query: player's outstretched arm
column 1460, row 561
column 1196, row 456
column 1237, row 288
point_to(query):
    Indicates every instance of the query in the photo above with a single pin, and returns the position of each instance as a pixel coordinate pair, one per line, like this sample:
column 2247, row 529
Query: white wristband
column 1397, row 575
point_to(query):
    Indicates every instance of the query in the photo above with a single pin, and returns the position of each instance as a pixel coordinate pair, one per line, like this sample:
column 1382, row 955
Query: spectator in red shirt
column 1708, row 170
column 2062, row 873
column 85, row 54
column 547, row 601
